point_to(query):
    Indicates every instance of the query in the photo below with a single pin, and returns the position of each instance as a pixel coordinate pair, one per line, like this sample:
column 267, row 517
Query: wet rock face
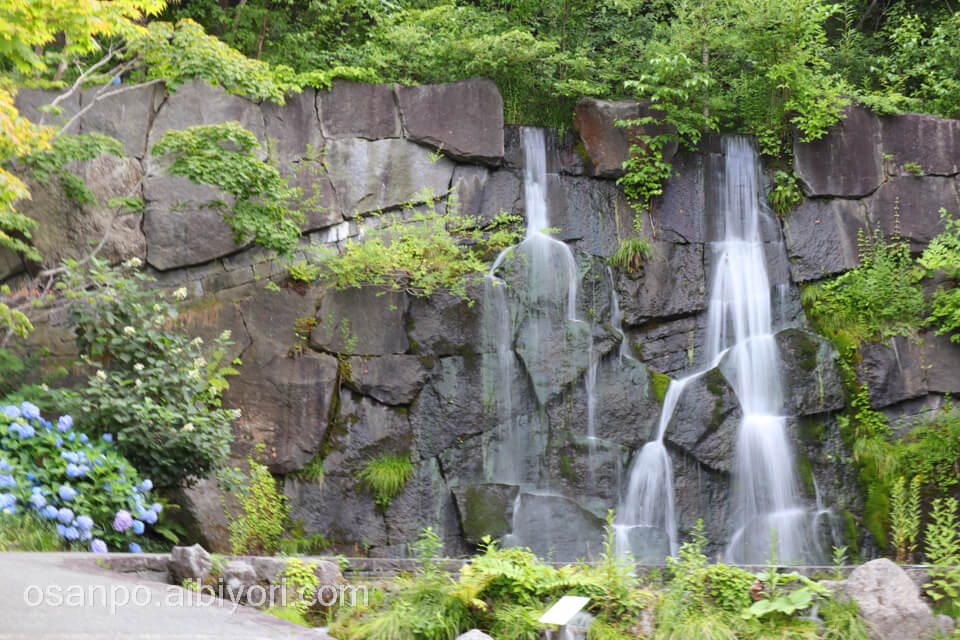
column 347, row 376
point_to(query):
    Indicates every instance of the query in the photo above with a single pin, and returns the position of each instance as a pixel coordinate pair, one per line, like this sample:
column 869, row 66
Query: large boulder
column 474, row 634
column 362, row 430
column 926, row 140
column 671, row 283
column 821, row 237
column 911, row 205
column 485, row 510
column 557, row 527
column 678, row 214
column 358, row 110
column 203, row 515
column 608, row 145
column 889, row 602
column 706, row 419
column 811, row 378
column 125, row 116
column 69, row 230
column 893, row 370
column 390, row 379
column 671, row 346
column 189, row 563
column 590, row 214
column 361, row 321
column 337, row 508
column 481, row 192
column 826, row 166
column 444, row 324
column 463, row 119
column 293, row 128
column 375, row 175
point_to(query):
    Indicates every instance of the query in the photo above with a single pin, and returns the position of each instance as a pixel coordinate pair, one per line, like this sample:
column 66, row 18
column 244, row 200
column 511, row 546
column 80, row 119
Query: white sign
column 563, row 611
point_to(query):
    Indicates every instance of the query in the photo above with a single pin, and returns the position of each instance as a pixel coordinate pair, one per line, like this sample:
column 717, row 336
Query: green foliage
column 264, row 512
column 660, row 384
column 786, row 193
column 312, row 472
column 905, row 517
column 932, row 448
column 300, row 577
column 877, row 299
column 420, row 252
column 53, row 162
column 631, row 254
column 177, row 53
column 225, row 156
column 153, row 387
column 28, row 532
column 943, row 254
column 943, row 551
column 290, row 613
column 303, row 272
column 385, row 476
column 842, row 621
column 913, row 169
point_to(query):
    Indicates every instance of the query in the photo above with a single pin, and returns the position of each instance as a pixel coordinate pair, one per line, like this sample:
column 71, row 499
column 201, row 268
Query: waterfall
column 544, row 275
column 765, row 501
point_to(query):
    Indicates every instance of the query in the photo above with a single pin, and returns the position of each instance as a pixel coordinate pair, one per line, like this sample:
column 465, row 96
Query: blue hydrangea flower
column 6, row 480
column 98, row 546
column 150, row 517
column 147, row 484
column 135, row 548
column 7, row 500
column 83, row 438
column 85, row 523
column 72, row 436
column 65, row 515
column 138, row 527
column 64, row 424
column 50, row 512
column 59, row 442
column 108, row 437
column 122, row 521
column 61, row 530
column 38, row 501
column 23, row 430
column 73, row 471
column 71, row 533
column 29, row 410
column 10, row 411
column 5, row 466
column 85, row 535
column 66, row 492
column 156, row 507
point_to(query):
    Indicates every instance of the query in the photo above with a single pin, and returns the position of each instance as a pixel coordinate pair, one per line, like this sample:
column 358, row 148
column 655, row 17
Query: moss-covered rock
column 485, row 510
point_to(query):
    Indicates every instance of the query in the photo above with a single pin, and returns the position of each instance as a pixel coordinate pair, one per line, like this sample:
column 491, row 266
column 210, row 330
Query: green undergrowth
column 503, row 592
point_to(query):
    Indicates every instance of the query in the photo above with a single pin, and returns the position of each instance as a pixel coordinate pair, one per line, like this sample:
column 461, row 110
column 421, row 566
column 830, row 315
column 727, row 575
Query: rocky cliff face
column 394, row 373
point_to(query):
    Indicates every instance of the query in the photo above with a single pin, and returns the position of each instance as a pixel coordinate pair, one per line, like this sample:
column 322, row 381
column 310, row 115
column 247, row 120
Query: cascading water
column 765, row 501
column 547, row 295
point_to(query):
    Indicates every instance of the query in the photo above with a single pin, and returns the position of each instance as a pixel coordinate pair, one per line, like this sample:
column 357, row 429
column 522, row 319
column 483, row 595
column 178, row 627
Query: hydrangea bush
column 92, row 493
column 155, row 388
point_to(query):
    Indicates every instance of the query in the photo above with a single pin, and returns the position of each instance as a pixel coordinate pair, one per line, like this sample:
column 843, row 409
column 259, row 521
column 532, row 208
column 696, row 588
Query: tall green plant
column 155, row 388
column 943, row 551
column 263, row 515
column 905, row 517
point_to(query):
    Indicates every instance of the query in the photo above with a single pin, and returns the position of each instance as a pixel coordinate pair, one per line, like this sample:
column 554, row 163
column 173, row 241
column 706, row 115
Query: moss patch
column 808, row 348
column 660, row 384
column 850, row 533
column 566, row 468
column 805, row 471
column 812, row 429
column 716, row 383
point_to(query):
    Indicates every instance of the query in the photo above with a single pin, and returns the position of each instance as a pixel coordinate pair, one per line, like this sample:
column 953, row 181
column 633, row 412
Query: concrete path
column 47, row 596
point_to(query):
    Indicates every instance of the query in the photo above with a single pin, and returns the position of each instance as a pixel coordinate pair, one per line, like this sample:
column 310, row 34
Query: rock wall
column 394, row 373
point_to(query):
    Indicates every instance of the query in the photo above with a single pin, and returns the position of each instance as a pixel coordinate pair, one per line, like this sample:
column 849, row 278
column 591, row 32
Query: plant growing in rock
column 82, row 486
column 943, row 551
column 905, row 517
column 156, row 389
column 786, row 194
column 943, row 254
column 632, row 252
column 385, row 476
column 263, row 517
column 420, row 251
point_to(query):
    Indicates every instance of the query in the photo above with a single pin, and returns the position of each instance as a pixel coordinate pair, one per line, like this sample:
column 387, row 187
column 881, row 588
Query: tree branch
column 101, row 95
column 83, row 76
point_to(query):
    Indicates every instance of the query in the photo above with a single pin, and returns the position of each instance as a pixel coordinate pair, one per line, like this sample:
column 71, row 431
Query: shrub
column 83, row 485
column 420, row 252
column 263, row 516
column 785, row 194
column 155, row 388
column 631, row 254
column 943, row 254
column 385, row 477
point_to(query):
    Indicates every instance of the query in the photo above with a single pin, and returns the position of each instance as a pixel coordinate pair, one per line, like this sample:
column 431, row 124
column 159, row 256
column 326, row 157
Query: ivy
column 225, row 156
